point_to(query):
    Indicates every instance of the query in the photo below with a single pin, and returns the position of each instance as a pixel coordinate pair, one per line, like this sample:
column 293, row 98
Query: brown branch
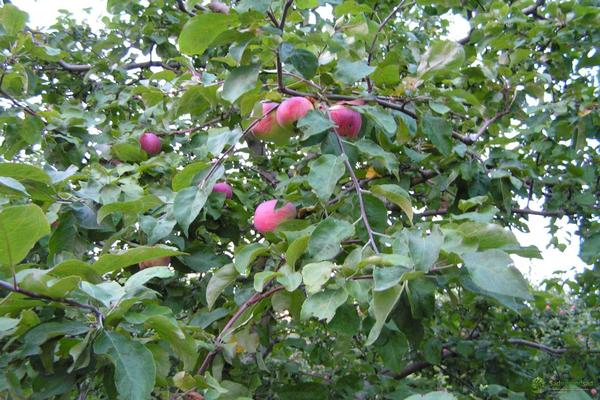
column 219, row 339
column 286, row 8
column 196, row 128
column 538, row 346
column 141, row 65
column 358, row 189
column 14, row 288
column 181, row 6
column 227, row 152
column 520, row 211
column 16, row 103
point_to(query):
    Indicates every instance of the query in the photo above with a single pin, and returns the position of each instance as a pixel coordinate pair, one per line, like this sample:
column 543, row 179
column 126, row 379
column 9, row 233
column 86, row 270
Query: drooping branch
column 14, row 288
column 538, row 346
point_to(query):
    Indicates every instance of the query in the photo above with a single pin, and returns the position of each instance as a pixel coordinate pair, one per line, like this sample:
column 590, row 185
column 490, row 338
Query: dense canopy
column 392, row 167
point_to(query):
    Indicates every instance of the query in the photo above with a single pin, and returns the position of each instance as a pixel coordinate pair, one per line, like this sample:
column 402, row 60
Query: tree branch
column 13, row 288
column 358, row 189
column 219, row 339
column 374, row 42
column 227, row 152
column 135, row 65
column 16, row 103
column 535, row 345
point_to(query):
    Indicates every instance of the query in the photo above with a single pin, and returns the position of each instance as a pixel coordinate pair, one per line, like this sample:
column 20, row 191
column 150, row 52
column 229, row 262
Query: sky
column 42, row 13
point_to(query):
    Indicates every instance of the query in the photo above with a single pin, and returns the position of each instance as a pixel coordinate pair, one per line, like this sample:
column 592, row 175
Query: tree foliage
column 396, row 279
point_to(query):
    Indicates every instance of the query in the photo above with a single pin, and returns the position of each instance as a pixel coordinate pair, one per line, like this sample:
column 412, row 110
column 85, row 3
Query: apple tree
column 309, row 199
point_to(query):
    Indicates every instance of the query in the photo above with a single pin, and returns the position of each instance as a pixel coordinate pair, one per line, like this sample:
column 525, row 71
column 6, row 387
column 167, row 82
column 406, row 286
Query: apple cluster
column 277, row 127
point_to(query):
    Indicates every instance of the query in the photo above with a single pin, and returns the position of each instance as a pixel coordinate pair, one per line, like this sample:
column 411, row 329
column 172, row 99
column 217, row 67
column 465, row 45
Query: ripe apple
column 267, row 218
column 348, row 121
column 268, row 129
column 292, row 109
column 223, row 187
column 156, row 262
column 218, row 7
column 150, row 143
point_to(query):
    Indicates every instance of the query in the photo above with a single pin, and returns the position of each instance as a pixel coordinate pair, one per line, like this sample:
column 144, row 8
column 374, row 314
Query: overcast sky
column 42, row 13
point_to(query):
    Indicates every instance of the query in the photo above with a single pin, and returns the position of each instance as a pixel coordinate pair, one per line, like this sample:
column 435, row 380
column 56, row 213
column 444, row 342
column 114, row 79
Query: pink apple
column 348, row 121
column 268, row 129
column 292, row 109
column 150, row 143
column 267, row 218
column 223, row 187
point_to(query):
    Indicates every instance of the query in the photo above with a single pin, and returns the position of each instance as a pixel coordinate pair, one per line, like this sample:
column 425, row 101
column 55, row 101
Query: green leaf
column 156, row 229
column 200, row 31
column 348, row 72
column 439, row 131
column 314, row 122
column 382, row 118
column 385, row 278
column 188, row 204
column 218, row 282
column 184, row 346
column 315, row 275
column 128, row 152
column 107, row 293
column 245, row 255
column 13, row 20
column 425, row 250
column 258, row 5
column 396, row 195
column 135, row 371
column 465, row 205
column 262, row 278
column 323, row 305
column 129, row 207
column 441, row 55
column 140, row 278
column 185, row 177
column 324, row 242
column 289, row 279
column 296, row 249
column 373, row 150
column 114, row 262
column 489, row 236
column 13, row 184
column 393, row 351
column 324, row 174
column 303, row 61
column 40, row 334
column 240, row 81
column 23, row 172
column 20, row 228
column 432, row 396
column 493, row 271
column 382, row 305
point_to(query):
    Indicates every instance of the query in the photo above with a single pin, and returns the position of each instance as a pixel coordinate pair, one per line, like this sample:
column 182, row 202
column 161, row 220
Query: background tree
column 405, row 158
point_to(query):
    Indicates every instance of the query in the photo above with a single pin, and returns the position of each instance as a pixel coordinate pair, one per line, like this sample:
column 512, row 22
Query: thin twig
column 13, row 288
column 361, row 203
column 129, row 66
column 227, row 152
column 379, row 29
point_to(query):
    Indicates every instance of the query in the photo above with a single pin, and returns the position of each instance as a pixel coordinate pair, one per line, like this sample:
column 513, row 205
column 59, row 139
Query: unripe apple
column 223, row 187
column 292, row 109
column 267, row 218
column 156, row 262
column 348, row 121
column 268, row 129
column 150, row 143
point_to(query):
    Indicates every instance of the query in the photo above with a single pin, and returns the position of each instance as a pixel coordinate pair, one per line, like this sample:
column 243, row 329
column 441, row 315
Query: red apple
column 218, row 7
column 292, row 109
column 223, row 187
column 268, row 129
column 348, row 121
column 150, row 143
column 157, row 262
column 267, row 218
